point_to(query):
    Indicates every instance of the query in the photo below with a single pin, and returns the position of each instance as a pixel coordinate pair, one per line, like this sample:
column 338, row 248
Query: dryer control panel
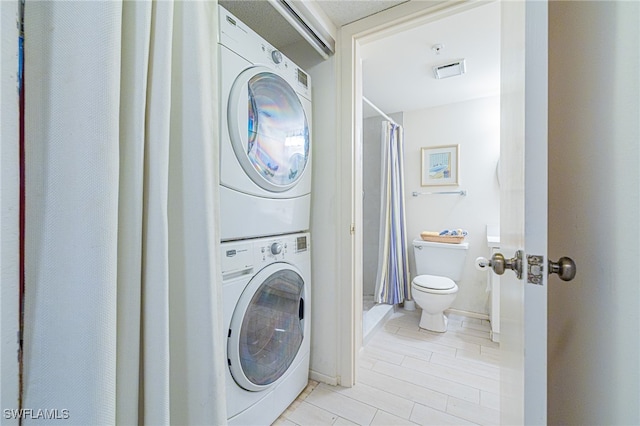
column 291, row 71
column 245, row 42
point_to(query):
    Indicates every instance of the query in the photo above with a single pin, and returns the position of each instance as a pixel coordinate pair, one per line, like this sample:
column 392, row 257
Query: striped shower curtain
column 392, row 280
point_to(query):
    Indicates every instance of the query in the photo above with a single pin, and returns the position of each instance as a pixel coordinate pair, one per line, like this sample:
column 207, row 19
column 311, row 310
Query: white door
column 523, row 212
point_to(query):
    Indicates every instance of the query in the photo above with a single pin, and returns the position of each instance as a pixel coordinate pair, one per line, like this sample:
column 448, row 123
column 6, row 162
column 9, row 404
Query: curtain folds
column 392, row 280
column 122, row 290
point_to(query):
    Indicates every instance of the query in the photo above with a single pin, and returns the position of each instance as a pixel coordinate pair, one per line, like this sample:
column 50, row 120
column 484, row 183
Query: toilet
column 438, row 267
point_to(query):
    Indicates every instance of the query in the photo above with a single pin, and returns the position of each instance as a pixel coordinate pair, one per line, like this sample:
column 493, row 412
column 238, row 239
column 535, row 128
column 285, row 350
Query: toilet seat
column 434, row 284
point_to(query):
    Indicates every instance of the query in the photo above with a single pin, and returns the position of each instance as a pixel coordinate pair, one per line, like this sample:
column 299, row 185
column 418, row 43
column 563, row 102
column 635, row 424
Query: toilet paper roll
column 482, row 264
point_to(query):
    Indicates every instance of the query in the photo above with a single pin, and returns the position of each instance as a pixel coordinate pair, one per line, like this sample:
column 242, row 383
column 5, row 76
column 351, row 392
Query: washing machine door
column 268, row 129
column 267, row 327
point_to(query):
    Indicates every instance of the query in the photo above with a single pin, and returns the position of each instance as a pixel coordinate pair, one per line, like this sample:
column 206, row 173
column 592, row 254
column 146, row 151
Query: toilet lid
column 434, row 282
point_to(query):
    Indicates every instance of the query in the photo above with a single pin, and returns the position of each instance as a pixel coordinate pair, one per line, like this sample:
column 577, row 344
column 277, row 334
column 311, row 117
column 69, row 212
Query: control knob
column 276, row 56
column 276, row 248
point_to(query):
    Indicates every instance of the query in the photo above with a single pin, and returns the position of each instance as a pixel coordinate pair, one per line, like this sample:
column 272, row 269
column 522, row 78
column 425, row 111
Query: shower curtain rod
column 379, row 111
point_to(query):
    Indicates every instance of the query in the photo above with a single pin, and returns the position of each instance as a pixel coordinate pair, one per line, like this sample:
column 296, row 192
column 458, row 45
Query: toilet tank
column 442, row 259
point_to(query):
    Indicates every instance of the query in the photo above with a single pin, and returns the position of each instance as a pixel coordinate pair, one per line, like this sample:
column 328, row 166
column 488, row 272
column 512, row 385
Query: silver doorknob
column 565, row 267
column 499, row 263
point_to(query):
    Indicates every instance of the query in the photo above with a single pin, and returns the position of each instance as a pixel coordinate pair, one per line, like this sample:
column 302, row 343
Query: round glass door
column 267, row 327
column 268, row 129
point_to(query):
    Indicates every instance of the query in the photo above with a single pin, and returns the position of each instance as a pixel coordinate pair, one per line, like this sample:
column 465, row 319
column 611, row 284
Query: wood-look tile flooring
column 411, row 376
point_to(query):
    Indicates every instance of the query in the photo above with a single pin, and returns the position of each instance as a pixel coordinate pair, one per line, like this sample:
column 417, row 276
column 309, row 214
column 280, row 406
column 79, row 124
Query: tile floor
column 410, row 376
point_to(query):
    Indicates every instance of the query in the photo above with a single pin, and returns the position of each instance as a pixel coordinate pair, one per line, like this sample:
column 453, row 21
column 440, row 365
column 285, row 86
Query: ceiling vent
column 451, row 69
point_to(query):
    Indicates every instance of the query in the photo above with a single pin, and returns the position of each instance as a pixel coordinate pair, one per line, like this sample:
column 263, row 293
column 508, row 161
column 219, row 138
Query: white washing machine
column 266, row 289
column 265, row 136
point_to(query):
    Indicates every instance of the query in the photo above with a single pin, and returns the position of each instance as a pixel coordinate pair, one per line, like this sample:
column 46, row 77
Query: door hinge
column 535, row 268
column 352, row 229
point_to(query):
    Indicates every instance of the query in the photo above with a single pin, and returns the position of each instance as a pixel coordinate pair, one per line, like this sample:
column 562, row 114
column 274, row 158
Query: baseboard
column 323, row 378
column 468, row 314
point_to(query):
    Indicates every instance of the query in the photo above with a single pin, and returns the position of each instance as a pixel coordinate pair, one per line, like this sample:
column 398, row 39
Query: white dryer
column 265, row 136
column 266, row 289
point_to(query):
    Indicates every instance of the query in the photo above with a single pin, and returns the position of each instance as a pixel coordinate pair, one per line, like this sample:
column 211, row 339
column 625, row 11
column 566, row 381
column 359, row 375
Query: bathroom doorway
column 432, row 115
column 356, row 36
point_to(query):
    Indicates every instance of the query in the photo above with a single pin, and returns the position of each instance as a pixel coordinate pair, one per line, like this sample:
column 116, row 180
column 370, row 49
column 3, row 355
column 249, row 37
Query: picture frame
column 440, row 165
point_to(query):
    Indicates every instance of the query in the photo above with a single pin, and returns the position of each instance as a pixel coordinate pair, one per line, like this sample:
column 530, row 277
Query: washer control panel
column 281, row 248
column 241, row 256
column 273, row 250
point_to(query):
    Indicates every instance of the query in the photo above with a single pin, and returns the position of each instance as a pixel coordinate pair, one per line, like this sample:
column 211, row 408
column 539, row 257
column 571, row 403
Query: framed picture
column 440, row 165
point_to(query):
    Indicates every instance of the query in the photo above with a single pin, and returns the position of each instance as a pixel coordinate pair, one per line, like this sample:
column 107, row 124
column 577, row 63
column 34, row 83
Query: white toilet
column 438, row 266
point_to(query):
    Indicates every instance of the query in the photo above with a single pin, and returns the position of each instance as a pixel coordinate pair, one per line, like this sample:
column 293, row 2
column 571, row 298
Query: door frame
column 349, row 197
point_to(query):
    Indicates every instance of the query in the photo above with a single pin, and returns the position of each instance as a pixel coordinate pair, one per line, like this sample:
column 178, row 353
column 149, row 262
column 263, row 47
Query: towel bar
column 461, row 192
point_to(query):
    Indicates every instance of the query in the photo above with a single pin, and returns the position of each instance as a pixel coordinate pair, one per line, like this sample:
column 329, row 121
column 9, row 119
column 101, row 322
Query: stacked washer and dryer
column 265, row 186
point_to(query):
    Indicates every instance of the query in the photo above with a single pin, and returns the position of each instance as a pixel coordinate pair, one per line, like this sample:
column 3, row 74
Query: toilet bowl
column 433, row 294
column 438, row 267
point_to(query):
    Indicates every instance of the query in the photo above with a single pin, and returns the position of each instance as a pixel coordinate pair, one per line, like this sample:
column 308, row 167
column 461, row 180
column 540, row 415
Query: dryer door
column 268, row 129
column 267, row 327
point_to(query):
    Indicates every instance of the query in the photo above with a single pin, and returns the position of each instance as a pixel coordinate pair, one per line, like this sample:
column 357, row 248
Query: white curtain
column 122, row 300
column 9, row 211
column 392, row 280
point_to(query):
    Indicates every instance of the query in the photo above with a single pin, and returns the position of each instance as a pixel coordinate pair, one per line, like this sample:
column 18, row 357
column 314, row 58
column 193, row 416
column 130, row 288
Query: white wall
column 324, row 209
column 594, row 189
column 475, row 126
column 324, row 212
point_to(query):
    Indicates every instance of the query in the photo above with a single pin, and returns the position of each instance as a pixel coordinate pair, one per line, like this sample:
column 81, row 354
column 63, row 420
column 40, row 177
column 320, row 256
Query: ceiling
column 397, row 70
column 343, row 12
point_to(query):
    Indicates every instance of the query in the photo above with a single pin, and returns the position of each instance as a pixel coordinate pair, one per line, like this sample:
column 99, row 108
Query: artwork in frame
column 440, row 165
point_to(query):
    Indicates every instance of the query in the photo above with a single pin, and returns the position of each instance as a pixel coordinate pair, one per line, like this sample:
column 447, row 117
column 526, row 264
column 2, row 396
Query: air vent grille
column 451, row 69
